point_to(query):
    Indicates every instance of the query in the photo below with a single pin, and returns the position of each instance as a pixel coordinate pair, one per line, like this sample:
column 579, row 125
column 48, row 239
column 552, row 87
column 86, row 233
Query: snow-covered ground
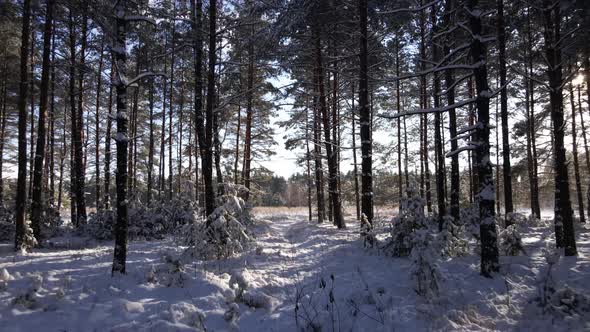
column 300, row 276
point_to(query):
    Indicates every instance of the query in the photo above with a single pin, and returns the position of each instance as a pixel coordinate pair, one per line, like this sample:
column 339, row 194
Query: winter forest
column 294, row 165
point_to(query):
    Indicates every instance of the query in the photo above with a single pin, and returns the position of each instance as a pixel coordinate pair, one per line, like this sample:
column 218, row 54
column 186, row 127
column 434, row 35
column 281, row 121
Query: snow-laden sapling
column 451, row 239
column 224, row 233
column 425, row 271
column 171, row 273
column 411, row 217
column 511, row 241
column 367, row 232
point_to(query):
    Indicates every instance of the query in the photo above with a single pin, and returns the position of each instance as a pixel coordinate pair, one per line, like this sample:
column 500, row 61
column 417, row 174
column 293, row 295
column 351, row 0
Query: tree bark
column 208, row 141
column 580, row 194
column 455, row 195
column 564, row 227
column 506, row 169
column 365, row 118
column 107, row 143
column 331, row 153
column 489, row 245
column 37, row 203
column 121, row 139
column 21, row 188
column 97, row 128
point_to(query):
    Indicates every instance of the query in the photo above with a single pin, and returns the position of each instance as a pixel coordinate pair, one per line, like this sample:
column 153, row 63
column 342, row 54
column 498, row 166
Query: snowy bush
column 469, row 219
column 367, row 232
column 170, row 273
column 223, row 234
column 510, row 241
column 451, row 240
column 411, row 217
column 568, row 302
column 51, row 222
column 425, row 270
column 7, row 226
column 145, row 222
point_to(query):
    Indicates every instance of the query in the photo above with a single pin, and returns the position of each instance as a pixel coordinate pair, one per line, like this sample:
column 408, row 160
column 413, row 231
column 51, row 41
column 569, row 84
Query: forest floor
column 298, row 276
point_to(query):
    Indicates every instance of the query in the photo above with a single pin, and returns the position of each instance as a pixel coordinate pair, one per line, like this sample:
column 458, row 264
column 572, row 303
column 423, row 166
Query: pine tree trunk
column 199, row 117
column 586, row 150
column 21, row 188
column 79, row 165
column 3, row 117
column 171, row 109
column 580, row 194
column 564, row 227
column 32, row 107
column 449, row 82
column 319, row 181
column 354, row 159
column 308, row 162
column 37, row 201
column 121, row 139
column 52, row 130
column 365, row 118
column 249, row 116
column 209, row 115
column 150, row 166
column 107, row 143
column 399, row 124
column 506, row 169
column 536, row 206
column 97, row 127
column 334, row 194
column 489, row 245
column 74, row 140
column 438, row 141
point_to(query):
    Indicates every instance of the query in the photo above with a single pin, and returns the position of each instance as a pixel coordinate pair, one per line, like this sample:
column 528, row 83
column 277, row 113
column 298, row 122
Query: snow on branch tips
column 429, row 110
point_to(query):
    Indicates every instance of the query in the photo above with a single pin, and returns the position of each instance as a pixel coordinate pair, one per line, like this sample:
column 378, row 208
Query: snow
column 299, row 274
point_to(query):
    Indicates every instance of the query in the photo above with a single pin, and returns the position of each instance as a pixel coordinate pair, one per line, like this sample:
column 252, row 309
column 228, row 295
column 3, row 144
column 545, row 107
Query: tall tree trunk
column 319, row 181
column 32, row 108
column 209, row 114
column 536, row 206
column 121, row 139
column 21, row 188
column 580, row 194
column 171, row 109
column 564, row 227
column 365, row 118
column 586, row 150
column 506, row 169
column 354, row 159
column 308, row 162
column 399, row 124
column 107, row 143
column 162, row 161
column 489, row 244
column 52, row 129
column 78, row 131
column 249, row 116
column 150, row 166
column 450, row 92
column 74, row 140
column 196, row 6
column 97, row 127
column 331, row 153
column 37, row 202
column 438, row 141
column 474, row 179
column 3, row 117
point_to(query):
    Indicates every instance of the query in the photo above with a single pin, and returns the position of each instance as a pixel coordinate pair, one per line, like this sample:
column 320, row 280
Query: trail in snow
column 301, row 275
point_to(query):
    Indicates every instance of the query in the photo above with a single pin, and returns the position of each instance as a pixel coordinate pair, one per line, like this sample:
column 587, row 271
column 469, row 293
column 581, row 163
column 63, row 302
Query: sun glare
column 579, row 80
